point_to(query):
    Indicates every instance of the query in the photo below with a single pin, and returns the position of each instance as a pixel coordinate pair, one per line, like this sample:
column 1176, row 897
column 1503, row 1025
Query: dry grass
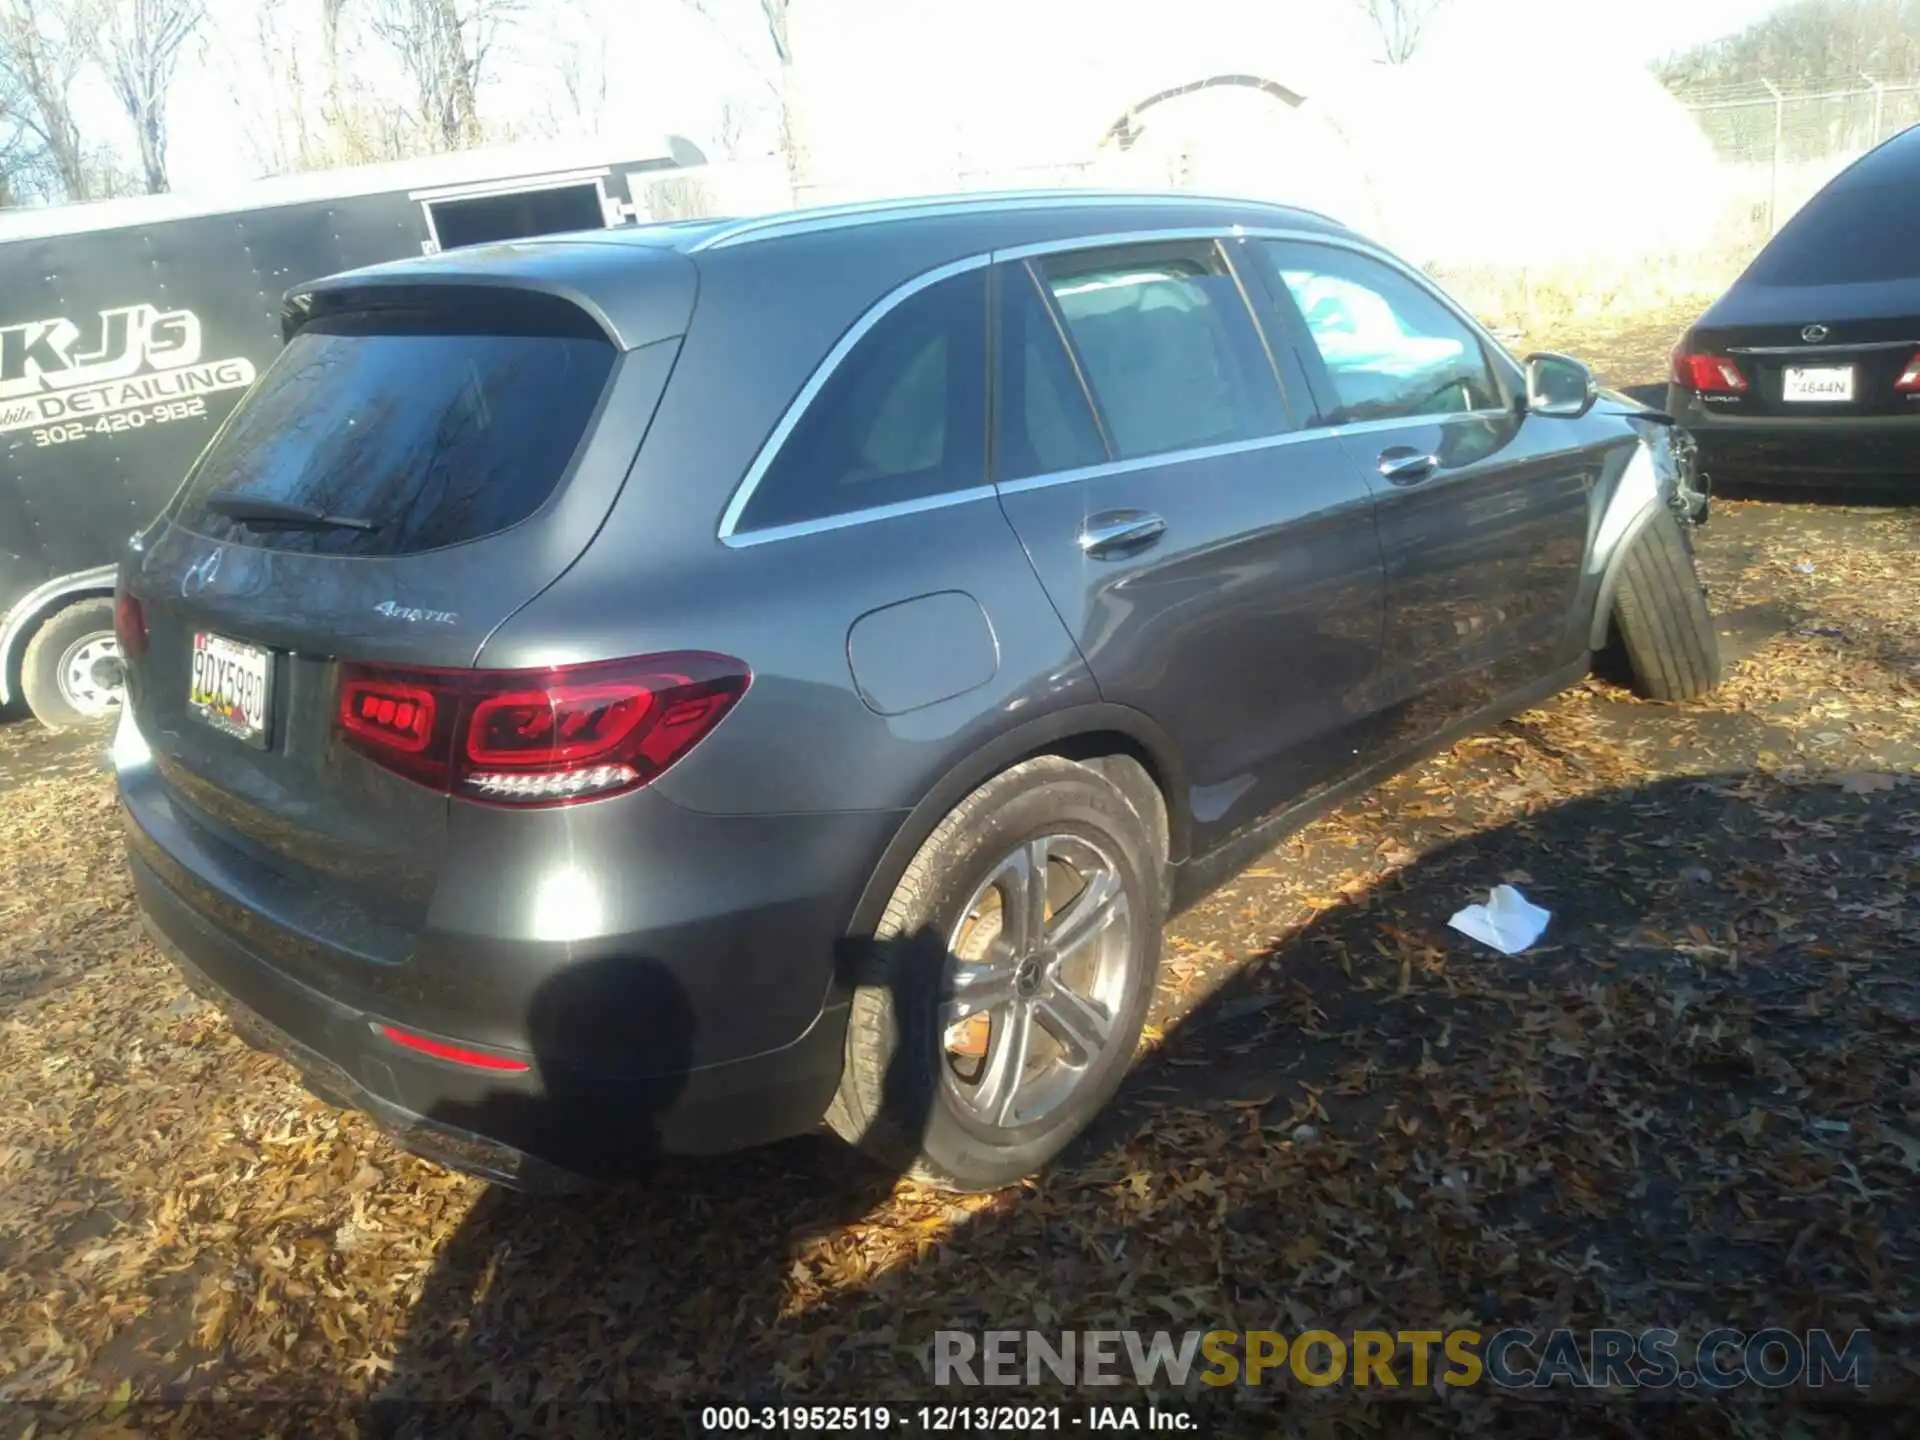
column 1593, row 299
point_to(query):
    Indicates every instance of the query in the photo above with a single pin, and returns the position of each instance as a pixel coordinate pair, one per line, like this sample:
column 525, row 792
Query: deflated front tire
column 1666, row 630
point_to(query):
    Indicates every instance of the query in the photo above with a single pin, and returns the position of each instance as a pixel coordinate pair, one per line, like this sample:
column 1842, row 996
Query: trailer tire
column 1660, row 611
column 59, row 677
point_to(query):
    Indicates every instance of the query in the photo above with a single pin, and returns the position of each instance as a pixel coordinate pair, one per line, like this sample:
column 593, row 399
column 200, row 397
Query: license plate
column 1819, row 385
column 231, row 686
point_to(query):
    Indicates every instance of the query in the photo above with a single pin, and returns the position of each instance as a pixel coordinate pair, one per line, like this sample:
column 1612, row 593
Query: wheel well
column 1145, row 770
column 1127, row 764
column 29, row 624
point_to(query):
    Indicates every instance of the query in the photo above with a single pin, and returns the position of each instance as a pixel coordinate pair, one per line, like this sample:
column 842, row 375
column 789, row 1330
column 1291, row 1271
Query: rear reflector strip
column 453, row 1054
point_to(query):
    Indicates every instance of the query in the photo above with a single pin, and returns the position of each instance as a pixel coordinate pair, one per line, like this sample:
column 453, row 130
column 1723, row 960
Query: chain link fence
column 1779, row 147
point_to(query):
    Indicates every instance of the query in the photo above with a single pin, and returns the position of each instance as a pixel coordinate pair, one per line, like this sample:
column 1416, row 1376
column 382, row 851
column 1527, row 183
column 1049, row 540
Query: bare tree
column 141, row 43
column 20, row 151
column 773, row 20
column 43, row 49
column 331, row 14
column 1400, row 24
column 1807, row 45
column 577, row 105
column 730, row 129
column 444, row 46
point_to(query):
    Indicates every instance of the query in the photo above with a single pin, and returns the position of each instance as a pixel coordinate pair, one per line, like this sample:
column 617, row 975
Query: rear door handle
column 1401, row 465
column 1114, row 533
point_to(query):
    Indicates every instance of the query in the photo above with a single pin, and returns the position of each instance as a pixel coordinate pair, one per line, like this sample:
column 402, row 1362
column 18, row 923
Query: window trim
column 1506, row 370
column 1058, row 326
column 823, row 373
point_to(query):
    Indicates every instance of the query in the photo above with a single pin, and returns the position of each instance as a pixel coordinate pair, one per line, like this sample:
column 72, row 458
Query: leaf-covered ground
column 1695, row 1104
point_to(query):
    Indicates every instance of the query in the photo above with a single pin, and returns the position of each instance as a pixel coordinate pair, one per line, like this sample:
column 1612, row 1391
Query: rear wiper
column 253, row 510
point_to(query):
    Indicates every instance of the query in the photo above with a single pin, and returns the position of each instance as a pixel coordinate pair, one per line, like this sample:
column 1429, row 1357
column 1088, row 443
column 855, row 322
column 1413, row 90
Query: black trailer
column 129, row 329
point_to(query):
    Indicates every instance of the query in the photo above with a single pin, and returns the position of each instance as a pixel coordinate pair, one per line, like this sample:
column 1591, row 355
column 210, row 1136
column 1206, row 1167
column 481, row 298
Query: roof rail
column 835, row 217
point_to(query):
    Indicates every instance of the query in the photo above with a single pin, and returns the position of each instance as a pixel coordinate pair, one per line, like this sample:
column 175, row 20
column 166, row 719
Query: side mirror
column 1559, row 386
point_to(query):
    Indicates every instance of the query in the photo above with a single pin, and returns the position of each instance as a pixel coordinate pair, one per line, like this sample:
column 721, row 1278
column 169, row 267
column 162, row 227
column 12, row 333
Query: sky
column 671, row 70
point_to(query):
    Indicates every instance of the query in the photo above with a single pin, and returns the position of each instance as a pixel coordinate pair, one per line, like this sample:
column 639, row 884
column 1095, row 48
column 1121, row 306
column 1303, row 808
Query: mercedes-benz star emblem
column 1814, row 334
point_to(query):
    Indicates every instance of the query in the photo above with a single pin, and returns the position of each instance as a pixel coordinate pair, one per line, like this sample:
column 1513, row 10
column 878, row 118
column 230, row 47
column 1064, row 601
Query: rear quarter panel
column 658, row 577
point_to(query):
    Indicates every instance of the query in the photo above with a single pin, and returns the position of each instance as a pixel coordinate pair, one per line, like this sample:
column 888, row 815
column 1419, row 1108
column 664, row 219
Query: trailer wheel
column 71, row 674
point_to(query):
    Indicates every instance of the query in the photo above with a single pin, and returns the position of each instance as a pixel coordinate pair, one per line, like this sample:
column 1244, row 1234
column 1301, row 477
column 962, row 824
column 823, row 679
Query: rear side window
column 1848, row 234
column 1392, row 350
column 902, row 417
column 1041, row 421
column 422, row 434
column 1168, row 345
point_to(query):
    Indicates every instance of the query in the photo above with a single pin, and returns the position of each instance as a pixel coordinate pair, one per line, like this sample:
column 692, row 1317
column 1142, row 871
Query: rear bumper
column 1831, row 449
column 634, row 1045
column 551, row 1127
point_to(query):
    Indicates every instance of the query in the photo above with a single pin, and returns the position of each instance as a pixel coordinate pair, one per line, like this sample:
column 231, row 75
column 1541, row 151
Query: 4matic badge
column 415, row 616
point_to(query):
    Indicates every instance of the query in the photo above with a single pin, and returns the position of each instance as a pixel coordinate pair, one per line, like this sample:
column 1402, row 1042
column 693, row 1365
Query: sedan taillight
column 1909, row 381
column 1707, row 374
column 537, row 737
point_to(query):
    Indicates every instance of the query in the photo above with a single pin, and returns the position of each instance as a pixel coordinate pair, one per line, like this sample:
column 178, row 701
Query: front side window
column 903, row 416
column 1168, row 346
column 1392, row 350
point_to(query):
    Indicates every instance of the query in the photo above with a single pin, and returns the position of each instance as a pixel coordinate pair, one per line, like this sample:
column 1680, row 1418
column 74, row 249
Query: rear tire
column 1081, row 965
column 60, row 675
column 1666, row 629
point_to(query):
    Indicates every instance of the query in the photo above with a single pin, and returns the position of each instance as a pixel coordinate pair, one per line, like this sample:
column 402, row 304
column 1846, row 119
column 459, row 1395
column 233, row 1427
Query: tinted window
column 1167, row 344
column 1042, row 424
column 1850, row 233
column 1391, row 348
column 903, row 417
column 486, row 218
column 436, row 438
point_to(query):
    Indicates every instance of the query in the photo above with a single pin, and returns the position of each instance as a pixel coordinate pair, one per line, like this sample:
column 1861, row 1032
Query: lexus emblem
column 1814, row 334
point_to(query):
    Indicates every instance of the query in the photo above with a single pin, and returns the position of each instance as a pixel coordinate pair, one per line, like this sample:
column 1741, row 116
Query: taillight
column 1708, row 374
column 537, row 737
column 129, row 624
column 1909, row 380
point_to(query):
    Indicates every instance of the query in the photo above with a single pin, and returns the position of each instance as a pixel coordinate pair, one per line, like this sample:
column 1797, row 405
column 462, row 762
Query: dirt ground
column 1696, row 1103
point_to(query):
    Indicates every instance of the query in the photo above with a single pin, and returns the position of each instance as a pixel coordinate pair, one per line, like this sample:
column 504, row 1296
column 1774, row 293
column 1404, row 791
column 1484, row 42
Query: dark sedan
column 1808, row 369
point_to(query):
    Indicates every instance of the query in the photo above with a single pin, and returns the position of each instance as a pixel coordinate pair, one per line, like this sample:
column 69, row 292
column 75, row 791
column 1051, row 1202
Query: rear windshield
column 1848, row 234
column 404, row 431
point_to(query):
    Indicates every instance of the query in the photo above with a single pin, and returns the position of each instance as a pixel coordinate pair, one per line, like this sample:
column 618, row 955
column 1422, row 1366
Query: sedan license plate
column 1818, row 385
column 231, row 686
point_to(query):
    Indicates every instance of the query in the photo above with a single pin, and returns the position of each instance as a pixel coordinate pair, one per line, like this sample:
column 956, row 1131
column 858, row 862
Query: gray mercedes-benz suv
column 663, row 690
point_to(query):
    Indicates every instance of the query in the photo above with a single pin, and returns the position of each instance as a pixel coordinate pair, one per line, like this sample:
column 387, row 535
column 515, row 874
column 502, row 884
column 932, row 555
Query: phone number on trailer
column 934, row 1419
column 120, row 422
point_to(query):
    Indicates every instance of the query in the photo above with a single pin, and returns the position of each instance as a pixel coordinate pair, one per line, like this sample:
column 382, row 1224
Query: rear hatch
column 419, row 463
column 1818, row 362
